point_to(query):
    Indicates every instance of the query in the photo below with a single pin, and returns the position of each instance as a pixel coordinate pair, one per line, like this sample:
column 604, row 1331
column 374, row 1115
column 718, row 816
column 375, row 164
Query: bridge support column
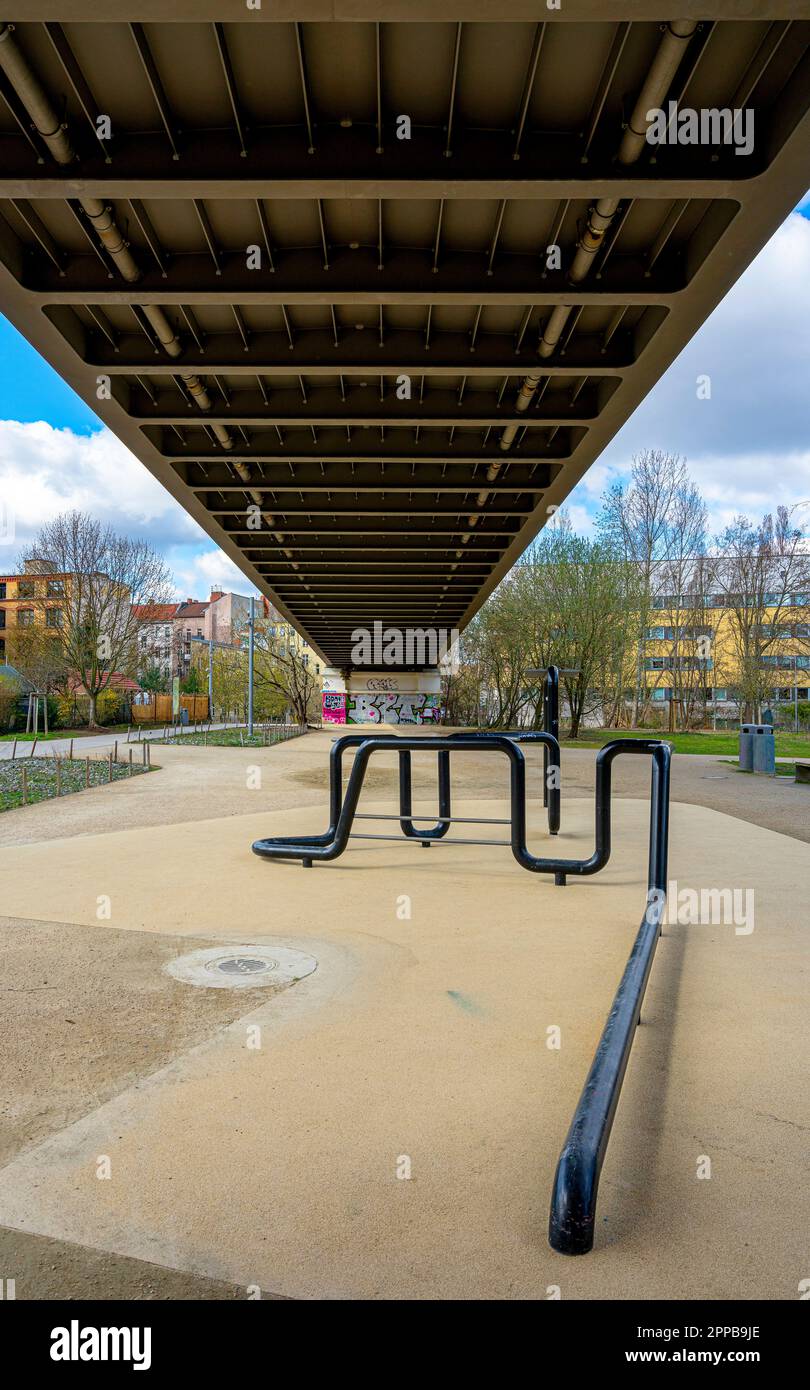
column 382, row 696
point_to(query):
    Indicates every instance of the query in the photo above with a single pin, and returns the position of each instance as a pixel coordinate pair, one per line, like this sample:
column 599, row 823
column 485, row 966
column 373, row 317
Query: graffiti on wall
column 381, row 707
column 334, row 708
column 393, row 708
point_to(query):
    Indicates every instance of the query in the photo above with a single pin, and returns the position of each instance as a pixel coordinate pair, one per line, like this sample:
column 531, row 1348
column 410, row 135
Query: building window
column 53, row 617
column 3, row 589
column 25, row 617
column 55, row 588
column 25, row 588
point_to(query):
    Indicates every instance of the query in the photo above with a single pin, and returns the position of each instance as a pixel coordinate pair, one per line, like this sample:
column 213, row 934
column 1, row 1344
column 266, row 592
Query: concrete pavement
column 419, row 1044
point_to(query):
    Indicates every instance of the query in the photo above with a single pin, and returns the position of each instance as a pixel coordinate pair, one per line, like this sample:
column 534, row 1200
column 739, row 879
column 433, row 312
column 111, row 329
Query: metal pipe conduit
column 54, row 135
column 675, row 38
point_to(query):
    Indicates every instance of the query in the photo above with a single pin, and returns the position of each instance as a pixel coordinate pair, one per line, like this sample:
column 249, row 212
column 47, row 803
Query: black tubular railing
column 551, row 724
column 576, row 1183
column 323, row 848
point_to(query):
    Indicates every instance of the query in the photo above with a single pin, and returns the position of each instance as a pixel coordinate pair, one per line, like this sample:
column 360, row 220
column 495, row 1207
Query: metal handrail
column 576, row 1182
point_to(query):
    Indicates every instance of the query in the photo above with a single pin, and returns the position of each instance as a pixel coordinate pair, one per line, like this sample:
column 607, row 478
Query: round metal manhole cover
column 242, row 967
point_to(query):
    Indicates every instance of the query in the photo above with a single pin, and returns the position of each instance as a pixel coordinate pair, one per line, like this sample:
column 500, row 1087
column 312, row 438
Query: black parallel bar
column 576, row 1184
column 442, row 825
column 550, row 758
column 324, row 848
column 551, row 771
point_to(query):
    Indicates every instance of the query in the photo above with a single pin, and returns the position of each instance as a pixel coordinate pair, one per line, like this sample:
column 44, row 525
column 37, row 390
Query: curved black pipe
column 551, row 758
column 551, row 724
column 440, row 829
column 332, row 843
column 576, row 1183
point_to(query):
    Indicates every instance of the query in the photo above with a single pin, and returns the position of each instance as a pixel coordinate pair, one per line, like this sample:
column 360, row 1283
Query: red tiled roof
column 117, row 681
column 154, row 612
column 190, row 610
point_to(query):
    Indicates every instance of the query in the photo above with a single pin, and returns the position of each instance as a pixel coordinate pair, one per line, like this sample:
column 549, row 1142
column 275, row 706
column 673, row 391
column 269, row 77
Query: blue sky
column 748, row 447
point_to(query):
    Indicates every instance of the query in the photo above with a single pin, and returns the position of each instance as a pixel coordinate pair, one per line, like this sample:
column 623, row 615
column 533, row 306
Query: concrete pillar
column 384, row 696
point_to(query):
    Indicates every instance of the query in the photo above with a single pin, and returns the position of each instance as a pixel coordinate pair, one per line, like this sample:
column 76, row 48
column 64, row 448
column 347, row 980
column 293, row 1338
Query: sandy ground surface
column 422, row 1036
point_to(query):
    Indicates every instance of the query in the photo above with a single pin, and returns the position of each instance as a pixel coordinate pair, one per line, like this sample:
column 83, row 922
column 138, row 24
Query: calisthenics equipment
column 576, row 1183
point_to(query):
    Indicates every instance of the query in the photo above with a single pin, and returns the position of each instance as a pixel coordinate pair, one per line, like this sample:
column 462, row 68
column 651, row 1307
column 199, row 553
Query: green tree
column 152, row 679
column 194, row 683
column 284, row 677
column 578, row 597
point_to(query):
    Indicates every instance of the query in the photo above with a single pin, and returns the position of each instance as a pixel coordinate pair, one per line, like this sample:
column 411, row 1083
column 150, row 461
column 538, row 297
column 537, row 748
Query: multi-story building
column 35, row 597
column 287, row 637
column 167, row 630
column 697, row 648
column 156, row 637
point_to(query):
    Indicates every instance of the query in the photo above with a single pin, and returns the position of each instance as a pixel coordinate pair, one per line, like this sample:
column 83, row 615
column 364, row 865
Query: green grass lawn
column 228, row 738
column 41, row 778
column 41, row 738
column 725, row 741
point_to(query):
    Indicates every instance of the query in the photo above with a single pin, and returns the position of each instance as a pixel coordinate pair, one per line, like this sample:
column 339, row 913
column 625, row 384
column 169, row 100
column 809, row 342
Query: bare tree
column 762, row 575
column 104, row 575
column 650, row 521
column 677, row 593
column 282, row 667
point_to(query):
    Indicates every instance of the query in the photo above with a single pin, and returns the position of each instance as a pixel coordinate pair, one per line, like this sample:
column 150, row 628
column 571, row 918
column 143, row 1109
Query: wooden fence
column 159, row 709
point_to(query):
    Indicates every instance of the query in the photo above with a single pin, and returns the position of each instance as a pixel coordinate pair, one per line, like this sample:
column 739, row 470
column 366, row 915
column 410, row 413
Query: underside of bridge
column 368, row 295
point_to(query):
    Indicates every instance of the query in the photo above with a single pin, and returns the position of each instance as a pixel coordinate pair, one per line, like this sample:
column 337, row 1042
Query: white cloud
column 748, row 446
column 44, row 471
column 200, row 572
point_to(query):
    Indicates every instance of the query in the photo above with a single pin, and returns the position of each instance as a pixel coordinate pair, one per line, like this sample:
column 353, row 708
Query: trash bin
column 184, row 716
column 757, row 748
column 746, row 748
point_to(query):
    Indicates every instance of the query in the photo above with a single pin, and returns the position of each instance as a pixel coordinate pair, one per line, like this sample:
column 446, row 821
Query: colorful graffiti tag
column 334, row 708
column 382, row 707
column 393, row 708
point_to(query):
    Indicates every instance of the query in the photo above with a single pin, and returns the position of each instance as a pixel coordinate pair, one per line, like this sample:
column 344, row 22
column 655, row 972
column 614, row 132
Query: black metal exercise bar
column 576, row 1183
column 332, row 843
column 551, row 725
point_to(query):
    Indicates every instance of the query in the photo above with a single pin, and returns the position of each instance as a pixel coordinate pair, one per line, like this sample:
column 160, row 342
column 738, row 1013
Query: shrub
column 9, row 695
column 109, row 707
